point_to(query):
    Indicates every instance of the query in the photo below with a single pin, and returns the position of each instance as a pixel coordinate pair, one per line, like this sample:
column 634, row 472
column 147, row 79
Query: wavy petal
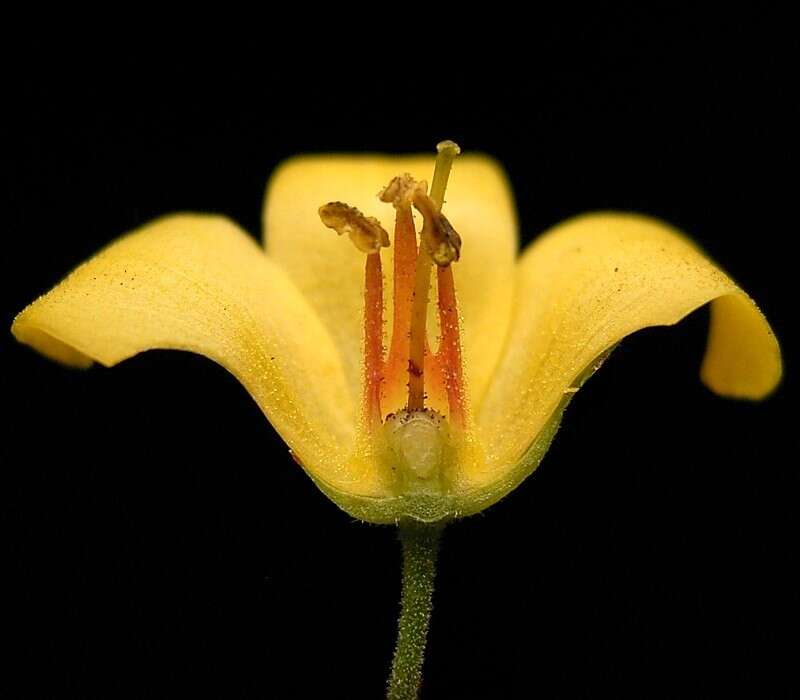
column 330, row 272
column 581, row 288
column 199, row 283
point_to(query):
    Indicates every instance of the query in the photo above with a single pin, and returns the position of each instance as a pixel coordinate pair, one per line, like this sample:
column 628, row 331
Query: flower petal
column 199, row 283
column 581, row 288
column 330, row 272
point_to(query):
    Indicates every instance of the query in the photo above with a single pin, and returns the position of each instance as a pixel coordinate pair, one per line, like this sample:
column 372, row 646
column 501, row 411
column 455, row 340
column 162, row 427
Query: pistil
column 417, row 335
column 430, row 209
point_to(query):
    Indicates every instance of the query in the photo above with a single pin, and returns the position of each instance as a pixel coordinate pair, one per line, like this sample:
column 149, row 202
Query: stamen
column 405, row 261
column 447, row 151
column 438, row 236
column 449, row 353
column 369, row 237
column 366, row 232
column 401, row 191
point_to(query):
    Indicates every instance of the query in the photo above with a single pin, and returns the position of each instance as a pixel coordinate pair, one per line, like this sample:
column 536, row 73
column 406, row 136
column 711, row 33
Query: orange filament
column 448, row 355
column 405, row 260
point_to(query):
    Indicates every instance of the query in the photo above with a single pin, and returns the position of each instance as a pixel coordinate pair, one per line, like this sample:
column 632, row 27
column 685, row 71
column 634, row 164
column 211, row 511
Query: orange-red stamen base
column 449, row 353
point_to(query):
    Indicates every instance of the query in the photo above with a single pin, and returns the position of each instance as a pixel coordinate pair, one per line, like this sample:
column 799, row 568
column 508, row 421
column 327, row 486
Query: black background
column 159, row 540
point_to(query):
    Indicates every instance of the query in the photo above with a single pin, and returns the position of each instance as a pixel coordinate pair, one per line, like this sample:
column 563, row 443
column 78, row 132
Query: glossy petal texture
column 330, row 271
column 198, row 283
column 581, row 288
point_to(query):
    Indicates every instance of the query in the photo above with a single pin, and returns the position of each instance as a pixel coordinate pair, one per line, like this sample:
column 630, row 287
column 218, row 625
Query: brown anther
column 366, row 232
column 441, row 240
column 401, row 191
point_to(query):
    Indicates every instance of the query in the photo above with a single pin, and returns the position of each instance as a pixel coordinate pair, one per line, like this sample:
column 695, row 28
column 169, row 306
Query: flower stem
column 420, row 549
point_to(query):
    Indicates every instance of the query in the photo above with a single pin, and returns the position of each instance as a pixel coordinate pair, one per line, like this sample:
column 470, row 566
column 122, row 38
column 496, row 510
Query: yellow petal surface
column 330, row 271
column 580, row 289
column 199, row 283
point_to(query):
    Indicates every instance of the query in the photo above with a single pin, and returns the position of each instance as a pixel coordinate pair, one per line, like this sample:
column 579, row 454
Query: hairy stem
column 420, row 549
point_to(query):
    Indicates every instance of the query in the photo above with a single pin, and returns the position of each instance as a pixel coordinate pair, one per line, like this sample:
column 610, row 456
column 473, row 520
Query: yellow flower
column 386, row 433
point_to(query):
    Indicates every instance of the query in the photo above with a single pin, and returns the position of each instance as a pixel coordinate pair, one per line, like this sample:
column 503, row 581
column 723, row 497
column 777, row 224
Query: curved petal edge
column 199, row 283
column 581, row 288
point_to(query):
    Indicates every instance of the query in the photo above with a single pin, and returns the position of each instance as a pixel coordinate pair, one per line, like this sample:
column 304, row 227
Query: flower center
column 410, row 389
column 418, row 440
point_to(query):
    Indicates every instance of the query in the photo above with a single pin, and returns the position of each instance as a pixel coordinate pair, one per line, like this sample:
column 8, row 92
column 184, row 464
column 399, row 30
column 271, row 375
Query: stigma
column 413, row 397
